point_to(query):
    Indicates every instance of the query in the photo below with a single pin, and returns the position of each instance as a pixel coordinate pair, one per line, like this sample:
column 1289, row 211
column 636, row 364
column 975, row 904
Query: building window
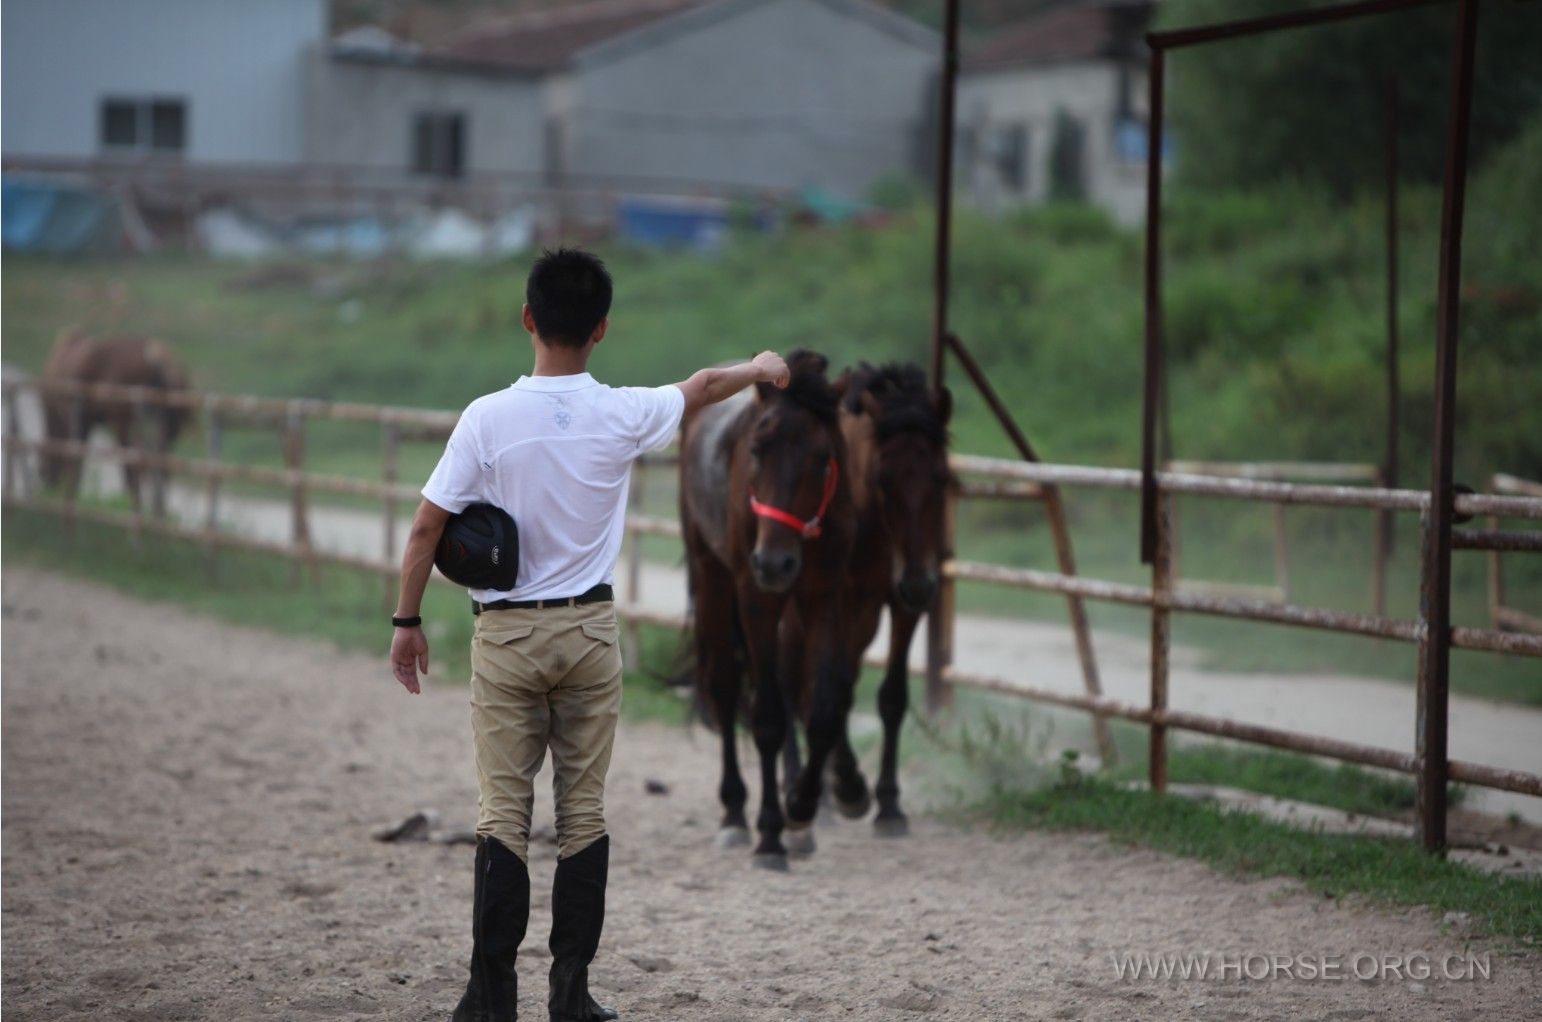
column 439, row 144
column 1068, row 159
column 1010, row 152
column 134, row 124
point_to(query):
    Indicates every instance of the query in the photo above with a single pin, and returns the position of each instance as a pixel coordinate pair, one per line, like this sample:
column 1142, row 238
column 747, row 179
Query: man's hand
column 409, row 654
column 772, row 368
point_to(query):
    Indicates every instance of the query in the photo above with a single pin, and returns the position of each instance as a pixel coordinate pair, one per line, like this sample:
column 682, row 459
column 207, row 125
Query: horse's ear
column 802, row 360
column 944, row 405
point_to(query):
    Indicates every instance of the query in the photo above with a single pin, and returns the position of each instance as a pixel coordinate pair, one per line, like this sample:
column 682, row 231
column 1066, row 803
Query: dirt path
column 187, row 808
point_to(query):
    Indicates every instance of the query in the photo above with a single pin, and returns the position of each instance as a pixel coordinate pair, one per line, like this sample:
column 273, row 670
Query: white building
column 775, row 94
column 1055, row 106
column 201, row 80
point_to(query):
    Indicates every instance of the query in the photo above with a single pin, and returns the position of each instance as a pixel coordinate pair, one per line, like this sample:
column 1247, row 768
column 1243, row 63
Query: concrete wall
column 781, row 93
column 238, row 64
column 362, row 114
column 1033, row 97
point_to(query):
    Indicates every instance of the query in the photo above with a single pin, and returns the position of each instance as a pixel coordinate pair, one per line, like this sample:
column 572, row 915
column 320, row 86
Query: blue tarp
column 44, row 216
column 667, row 221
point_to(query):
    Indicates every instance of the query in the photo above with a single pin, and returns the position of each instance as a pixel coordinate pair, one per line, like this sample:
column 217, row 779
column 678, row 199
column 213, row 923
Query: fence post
column 1382, row 550
column 390, row 440
column 12, row 490
column 294, row 460
column 1435, row 584
column 1161, row 636
column 75, row 464
column 137, row 476
column 942, row 619
column 632, row 654
column 213, row 441
column 1054, row 508
column 1281, row 553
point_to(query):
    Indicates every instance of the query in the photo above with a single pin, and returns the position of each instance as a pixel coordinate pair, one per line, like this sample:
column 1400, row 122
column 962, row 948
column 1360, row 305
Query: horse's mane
column 904, row 400
column 809, row 389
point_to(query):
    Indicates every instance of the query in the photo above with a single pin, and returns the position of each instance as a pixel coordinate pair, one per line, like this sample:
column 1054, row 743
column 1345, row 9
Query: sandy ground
column 187, row 810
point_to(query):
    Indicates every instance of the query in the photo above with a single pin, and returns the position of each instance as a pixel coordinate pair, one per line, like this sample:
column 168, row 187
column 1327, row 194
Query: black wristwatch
column 407, row 622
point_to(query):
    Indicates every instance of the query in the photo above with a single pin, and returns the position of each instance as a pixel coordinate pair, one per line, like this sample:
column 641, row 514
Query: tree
column 1309, row 103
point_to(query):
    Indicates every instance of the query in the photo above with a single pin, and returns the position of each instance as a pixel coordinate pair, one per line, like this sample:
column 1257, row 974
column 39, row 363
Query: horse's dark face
column 790, row 452
column 913, row 479
column 910, row 470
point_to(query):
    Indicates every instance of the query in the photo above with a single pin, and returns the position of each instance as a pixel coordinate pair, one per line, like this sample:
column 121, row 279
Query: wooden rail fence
column 980, row 479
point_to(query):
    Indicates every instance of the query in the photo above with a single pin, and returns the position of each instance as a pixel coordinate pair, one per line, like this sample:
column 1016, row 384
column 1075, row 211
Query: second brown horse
column 896, row 435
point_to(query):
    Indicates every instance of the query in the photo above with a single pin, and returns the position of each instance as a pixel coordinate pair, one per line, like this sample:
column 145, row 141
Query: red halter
column 811, row 528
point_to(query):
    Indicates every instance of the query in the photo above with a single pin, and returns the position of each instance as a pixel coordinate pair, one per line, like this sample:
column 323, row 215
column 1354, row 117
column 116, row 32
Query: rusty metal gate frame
column 1433, row 631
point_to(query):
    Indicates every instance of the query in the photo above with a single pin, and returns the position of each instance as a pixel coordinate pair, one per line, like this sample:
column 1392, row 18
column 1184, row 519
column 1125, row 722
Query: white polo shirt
column 556, row 453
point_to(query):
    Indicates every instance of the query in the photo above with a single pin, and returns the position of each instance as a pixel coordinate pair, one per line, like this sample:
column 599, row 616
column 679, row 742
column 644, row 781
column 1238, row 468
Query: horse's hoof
column 854, row 809
column 799, row 841
column 775, row 862
column 732, row 837
column 891, row 826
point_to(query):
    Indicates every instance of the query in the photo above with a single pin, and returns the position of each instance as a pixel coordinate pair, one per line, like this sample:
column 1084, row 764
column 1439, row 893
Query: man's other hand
column 409, row 655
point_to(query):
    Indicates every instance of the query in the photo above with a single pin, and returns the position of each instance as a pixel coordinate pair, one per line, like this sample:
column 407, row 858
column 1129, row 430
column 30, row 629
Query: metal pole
column 1153, row 297
column 939, row 622
column 942, row 252
column 1435, row 591
column 1161, row 640
column 1384, row 519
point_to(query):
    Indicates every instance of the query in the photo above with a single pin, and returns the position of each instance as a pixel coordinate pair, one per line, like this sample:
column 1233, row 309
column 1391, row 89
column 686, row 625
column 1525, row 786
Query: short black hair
column 568, row 292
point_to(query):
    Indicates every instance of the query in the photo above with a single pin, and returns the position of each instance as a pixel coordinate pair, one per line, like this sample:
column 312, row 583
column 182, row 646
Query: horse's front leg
column 852, row 798
column 720, row 682
column 760, row 617
column 893, row 700
column 825, row 659
column 789, row 666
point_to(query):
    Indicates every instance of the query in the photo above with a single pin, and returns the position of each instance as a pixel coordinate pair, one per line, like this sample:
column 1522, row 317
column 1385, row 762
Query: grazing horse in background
column 124, row 361
column 896, row 436
column 768, row 523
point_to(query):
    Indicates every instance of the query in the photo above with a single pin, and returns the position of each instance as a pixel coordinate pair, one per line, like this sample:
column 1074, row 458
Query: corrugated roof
column 1093, row 31
column 547, row 40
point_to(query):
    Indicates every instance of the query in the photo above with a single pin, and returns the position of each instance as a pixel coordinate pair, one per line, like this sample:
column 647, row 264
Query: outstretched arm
column 409, row 646
column 708, row 386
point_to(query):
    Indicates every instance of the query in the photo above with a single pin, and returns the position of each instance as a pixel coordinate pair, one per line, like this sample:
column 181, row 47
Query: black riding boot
column 499, row 913
column 577, row 917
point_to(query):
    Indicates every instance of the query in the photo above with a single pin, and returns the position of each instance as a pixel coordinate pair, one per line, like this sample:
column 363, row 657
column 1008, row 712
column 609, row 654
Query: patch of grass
column 1387, row 871
column 1275, row 310
column 1292, row 776
column 344, row 606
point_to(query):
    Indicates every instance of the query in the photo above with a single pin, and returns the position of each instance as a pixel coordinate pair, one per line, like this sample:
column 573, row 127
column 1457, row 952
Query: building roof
column 547, row 40
column 1099, row 30
column 599, row 30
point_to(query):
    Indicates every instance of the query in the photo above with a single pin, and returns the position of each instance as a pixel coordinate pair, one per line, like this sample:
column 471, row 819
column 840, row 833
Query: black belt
column 601, row 593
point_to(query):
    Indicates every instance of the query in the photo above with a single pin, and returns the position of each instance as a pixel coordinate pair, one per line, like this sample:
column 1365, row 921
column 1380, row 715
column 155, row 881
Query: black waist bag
column 480, row 549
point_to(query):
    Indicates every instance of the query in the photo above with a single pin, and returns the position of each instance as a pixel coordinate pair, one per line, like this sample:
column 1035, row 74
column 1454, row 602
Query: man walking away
column 555, row 451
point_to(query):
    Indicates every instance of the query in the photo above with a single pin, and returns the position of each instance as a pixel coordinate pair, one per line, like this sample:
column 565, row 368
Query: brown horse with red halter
column 768, row 525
